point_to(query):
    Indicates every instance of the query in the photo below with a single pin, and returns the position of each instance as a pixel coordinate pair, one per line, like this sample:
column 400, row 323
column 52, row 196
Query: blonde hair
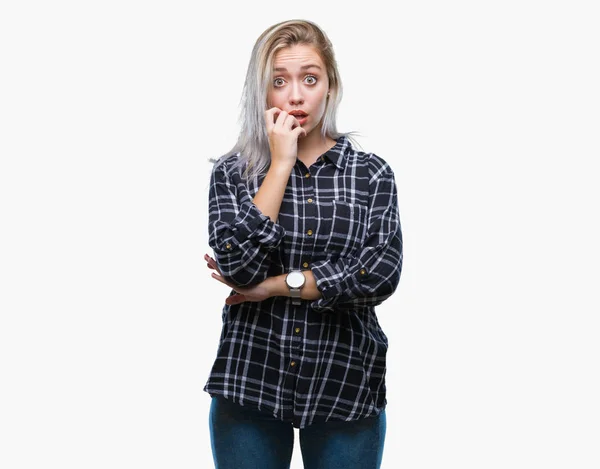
column 253, row 142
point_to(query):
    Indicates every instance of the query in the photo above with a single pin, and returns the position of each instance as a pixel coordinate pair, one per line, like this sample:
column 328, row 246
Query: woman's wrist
column 281, row 169
column 276, row 286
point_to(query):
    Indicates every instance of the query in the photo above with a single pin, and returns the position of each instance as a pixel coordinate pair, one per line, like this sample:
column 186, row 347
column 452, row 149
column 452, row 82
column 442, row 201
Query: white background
column 488, row 113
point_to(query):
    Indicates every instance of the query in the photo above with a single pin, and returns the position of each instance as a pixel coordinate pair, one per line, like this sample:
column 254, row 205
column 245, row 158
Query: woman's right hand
column 283, row 130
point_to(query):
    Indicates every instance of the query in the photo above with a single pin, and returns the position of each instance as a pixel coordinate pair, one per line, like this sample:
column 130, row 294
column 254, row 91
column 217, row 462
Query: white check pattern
column 325, row 359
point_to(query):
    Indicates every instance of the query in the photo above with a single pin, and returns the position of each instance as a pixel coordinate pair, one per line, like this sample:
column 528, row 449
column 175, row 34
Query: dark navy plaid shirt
column 325, row 359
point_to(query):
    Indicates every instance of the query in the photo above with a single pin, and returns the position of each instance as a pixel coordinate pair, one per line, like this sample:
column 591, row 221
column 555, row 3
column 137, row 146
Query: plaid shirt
column 325, row 359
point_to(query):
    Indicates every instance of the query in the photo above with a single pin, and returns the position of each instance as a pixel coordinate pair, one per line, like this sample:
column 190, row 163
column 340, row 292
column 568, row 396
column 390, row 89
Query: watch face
column 295, row 279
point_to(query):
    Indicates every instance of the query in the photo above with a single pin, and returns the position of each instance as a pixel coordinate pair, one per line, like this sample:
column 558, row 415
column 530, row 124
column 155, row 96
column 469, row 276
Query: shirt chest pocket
column 348, row 229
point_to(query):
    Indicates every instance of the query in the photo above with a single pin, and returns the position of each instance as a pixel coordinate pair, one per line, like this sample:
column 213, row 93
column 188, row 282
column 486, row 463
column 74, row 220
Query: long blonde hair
column 253, row 142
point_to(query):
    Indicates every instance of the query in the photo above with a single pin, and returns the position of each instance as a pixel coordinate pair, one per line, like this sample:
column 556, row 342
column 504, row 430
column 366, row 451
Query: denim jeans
column 244, row 438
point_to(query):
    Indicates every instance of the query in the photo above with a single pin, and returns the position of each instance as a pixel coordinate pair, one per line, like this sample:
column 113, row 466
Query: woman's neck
column 313, row 146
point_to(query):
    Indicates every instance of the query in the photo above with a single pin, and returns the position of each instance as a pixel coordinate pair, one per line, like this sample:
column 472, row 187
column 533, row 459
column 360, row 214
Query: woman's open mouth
column 300, row 116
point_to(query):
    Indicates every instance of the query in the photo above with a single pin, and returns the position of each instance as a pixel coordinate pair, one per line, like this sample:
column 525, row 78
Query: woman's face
column 299, row 83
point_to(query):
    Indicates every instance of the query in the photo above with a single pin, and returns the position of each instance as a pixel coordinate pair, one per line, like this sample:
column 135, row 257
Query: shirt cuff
column 251, row 223
column 334, row 279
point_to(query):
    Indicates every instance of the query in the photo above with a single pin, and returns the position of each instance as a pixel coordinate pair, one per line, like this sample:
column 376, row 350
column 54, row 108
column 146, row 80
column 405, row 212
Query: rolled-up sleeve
column 240, row 235
column 373, row 273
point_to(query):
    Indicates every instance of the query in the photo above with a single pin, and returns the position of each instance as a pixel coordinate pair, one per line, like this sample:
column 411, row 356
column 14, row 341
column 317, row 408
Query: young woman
column 305, row 230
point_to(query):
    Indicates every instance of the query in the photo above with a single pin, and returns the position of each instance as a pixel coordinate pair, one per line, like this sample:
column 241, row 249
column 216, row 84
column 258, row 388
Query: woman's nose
column 296, row 93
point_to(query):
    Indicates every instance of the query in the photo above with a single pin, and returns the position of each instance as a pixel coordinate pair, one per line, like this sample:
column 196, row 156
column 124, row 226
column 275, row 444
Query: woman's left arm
column 372, row 274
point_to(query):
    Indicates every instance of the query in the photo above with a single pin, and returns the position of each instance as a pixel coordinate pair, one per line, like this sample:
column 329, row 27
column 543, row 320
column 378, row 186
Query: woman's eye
column 278, row 82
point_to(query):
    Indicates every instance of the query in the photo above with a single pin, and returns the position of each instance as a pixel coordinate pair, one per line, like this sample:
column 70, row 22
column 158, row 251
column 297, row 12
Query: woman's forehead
column 297, row 56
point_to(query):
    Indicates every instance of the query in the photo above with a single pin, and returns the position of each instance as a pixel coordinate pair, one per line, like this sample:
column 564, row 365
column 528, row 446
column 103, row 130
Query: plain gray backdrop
column 486, row 111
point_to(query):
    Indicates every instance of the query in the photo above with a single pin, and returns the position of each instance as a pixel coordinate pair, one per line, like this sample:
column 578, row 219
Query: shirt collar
column 337, row 153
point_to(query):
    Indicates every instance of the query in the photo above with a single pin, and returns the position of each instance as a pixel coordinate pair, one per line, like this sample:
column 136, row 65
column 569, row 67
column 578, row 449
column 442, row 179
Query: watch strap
column 295, row 294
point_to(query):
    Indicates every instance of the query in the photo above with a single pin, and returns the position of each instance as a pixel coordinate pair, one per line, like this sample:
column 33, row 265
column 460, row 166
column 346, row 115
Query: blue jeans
column 245, row 438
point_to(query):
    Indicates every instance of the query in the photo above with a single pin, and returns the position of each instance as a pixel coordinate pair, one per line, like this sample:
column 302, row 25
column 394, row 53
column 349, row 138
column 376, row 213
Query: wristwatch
column 295, row 281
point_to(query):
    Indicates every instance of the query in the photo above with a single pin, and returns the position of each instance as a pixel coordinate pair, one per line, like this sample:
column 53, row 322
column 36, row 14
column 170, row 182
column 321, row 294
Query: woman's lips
column 302, row 120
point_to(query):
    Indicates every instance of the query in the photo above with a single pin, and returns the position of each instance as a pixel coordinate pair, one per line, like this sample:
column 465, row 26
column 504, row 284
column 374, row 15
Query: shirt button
column 309, row 232
column 297, row 330
column 228, row 246
column 310, row 201
column 307, row 175
column 363, row 272
column 305, row 265
column 293, row 364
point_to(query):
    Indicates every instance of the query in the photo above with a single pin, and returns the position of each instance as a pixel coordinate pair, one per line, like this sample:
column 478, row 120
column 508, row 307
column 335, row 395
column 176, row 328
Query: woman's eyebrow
column 304, row 67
